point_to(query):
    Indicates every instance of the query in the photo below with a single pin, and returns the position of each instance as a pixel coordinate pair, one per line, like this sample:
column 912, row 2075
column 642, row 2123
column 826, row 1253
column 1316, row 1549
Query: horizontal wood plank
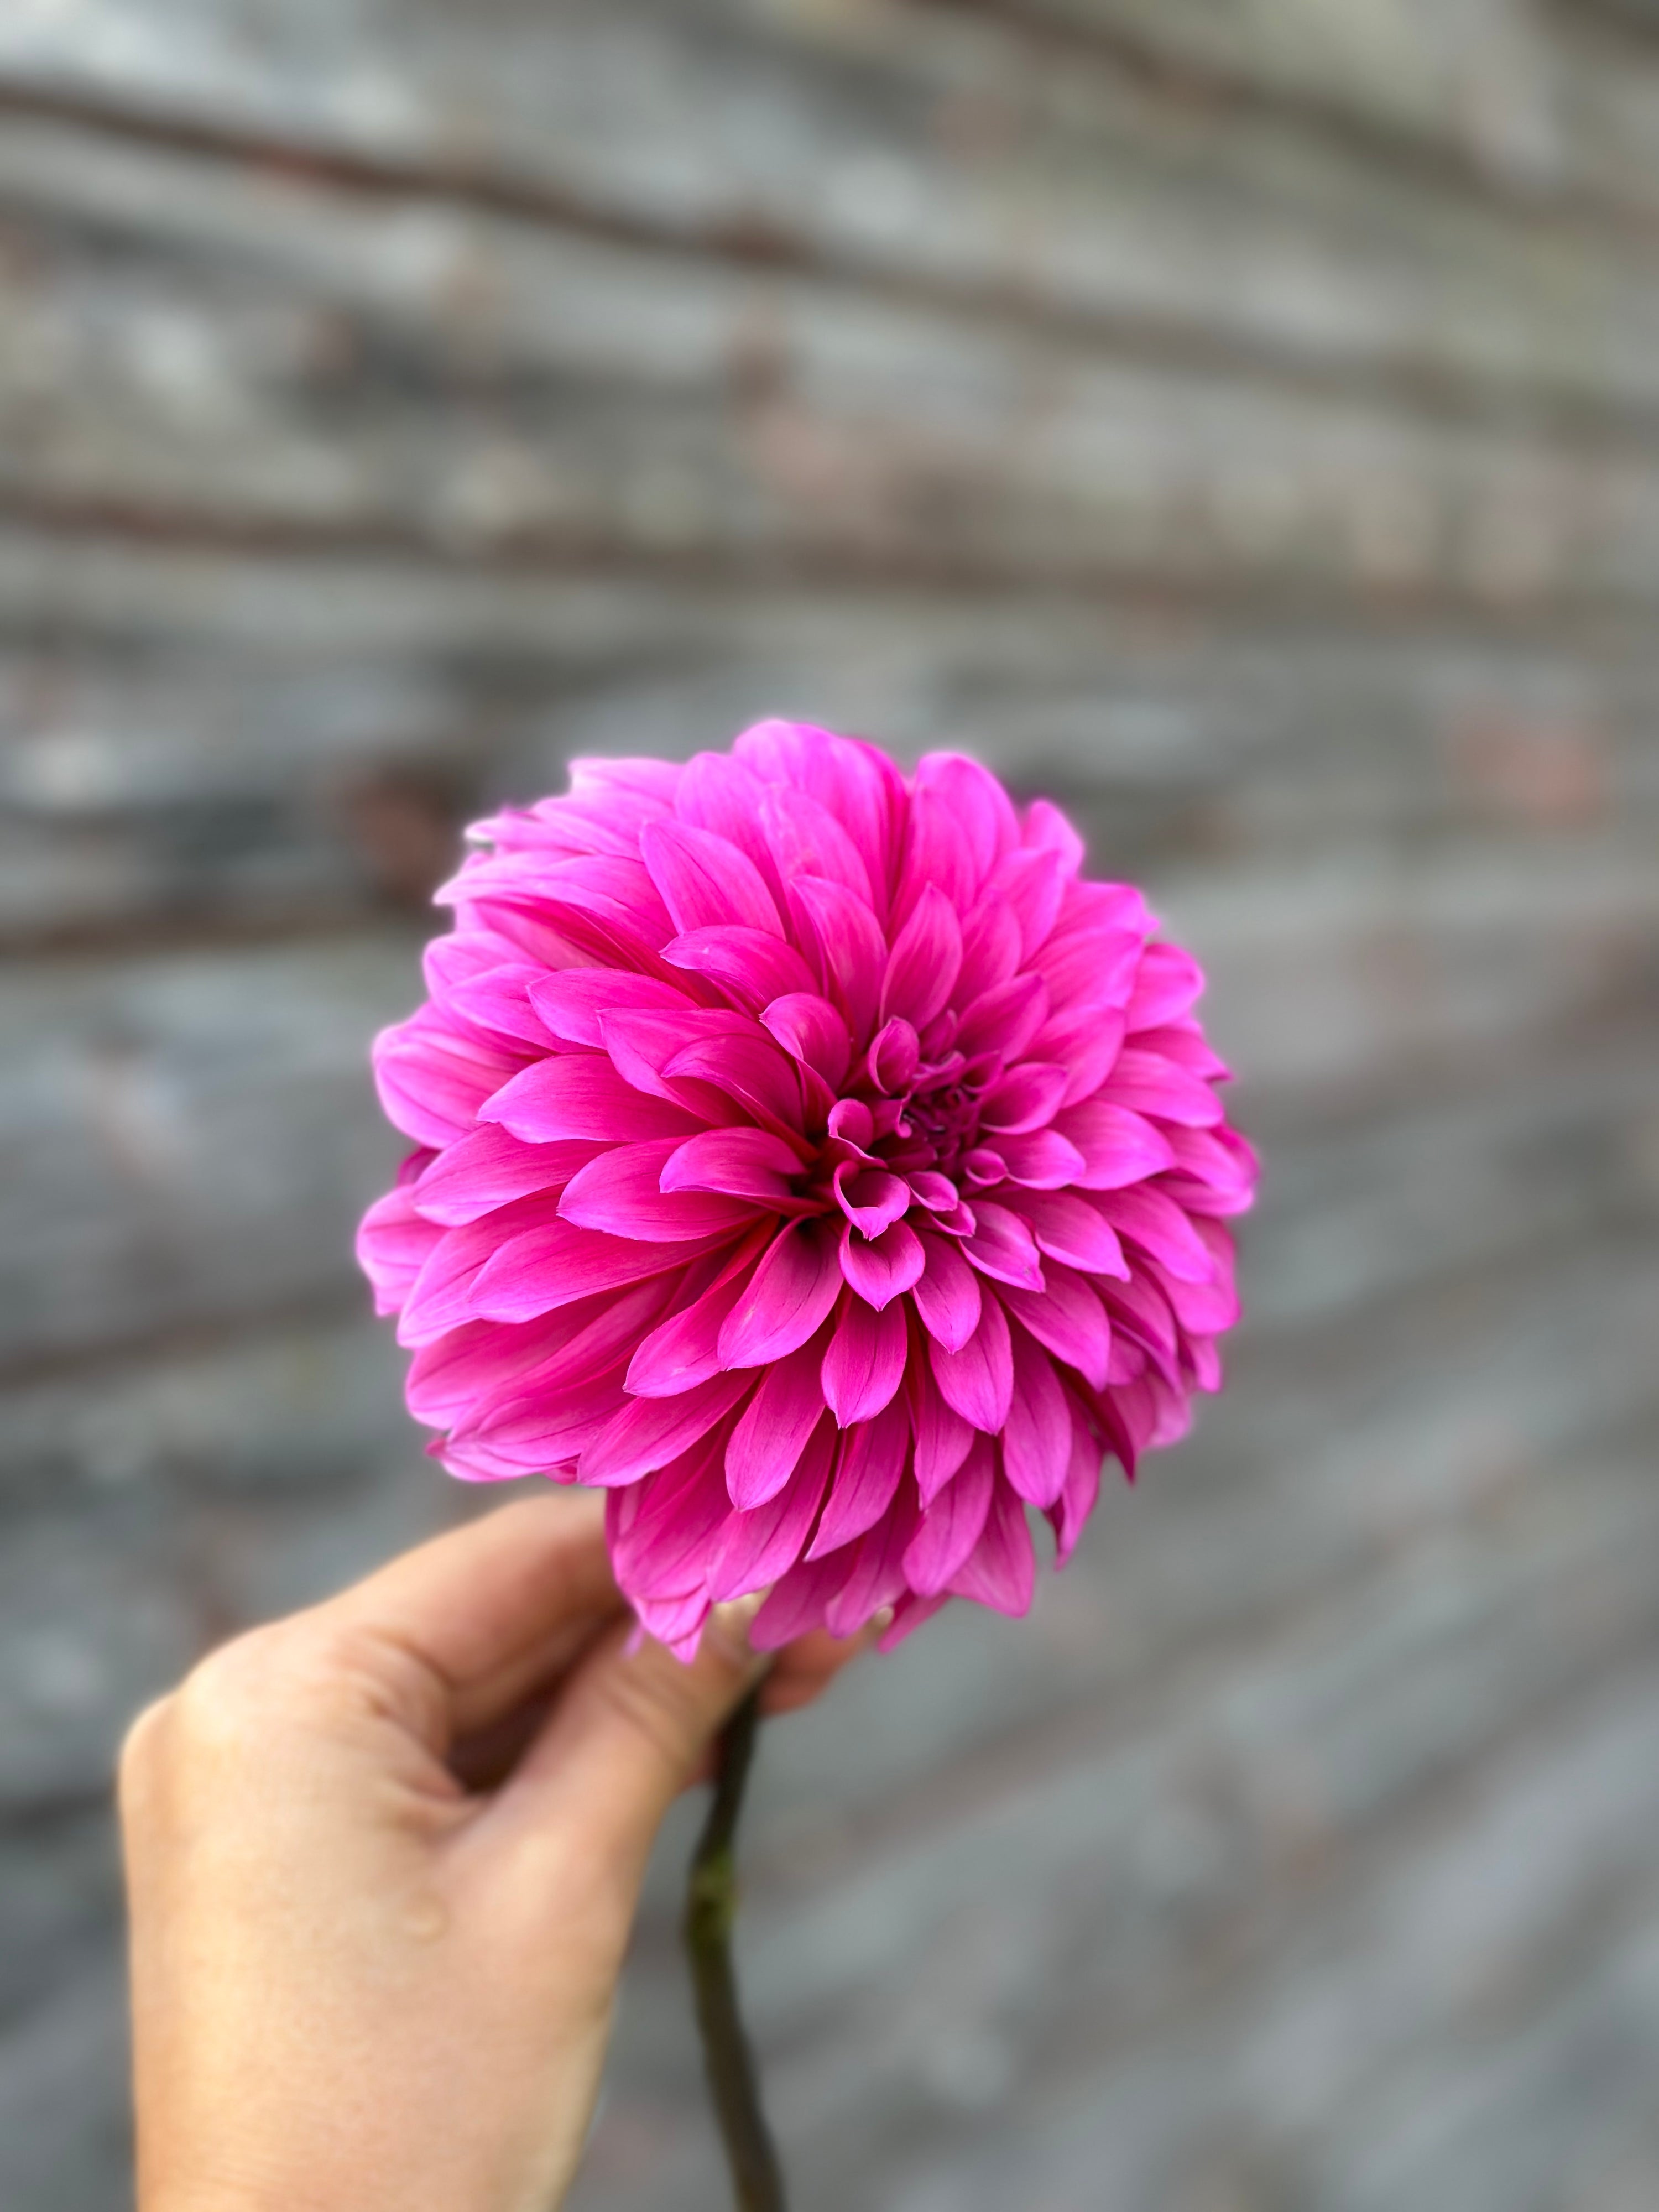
column 298, row 364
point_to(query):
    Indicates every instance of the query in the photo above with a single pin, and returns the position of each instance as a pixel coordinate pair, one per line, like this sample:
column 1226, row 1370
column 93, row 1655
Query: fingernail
column 732, row 1621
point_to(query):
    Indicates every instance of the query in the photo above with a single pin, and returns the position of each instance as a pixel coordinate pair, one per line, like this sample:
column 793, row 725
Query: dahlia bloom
column 817, row 1163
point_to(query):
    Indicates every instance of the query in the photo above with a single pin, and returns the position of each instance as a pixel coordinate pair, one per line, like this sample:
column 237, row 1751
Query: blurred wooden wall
column 1241, row 422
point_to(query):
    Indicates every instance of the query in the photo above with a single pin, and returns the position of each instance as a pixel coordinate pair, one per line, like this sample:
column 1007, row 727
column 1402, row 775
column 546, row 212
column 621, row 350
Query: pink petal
column 943, row 1438
column 810, row 1030
column 649, row 1432
column 1085, row 1042
column 1082, row 1488
column 433, row 1077
column 751, row 966
column 1088, row 966
column 1003, row 1247
column 1167, row 983
column 445, row 1292
column 980, row 814
column 570, row 1001
column 1001, row 1570
column 547, row 1266
column 1148, row 1084
column 867, row 1471
column 1005, row 1018
column 990, row 948
column 1027, row 1098
column 1184, row 1042
column 1044, row 1160
column 1048, row 830
column 946, row 1294
column 490, row 1166
column 871, row 1199
column 717, row 792
column 910, row 1613
column 760, row 1542
column 658, row 1530
column 640, row 1043
column 864, row 1362
column 895, row 1056
column 499, row 1000
column 856, row 783
column 1071, row 1228
column 936, row 855
column 394, row 1244
column 750, row 1069
column 881, row 1268
column 1037, row 1442
column 1118, row 1146
column 775, row 1424
column 746, row 1163
column 685, row 1348
column 582, row 1095
column 951, row 1525
column 849, row 945
column 1033, row 882
column 788, row 1298
column 1157, row 1225
column 620, row 1192
column 876, row 1572
column 978, row 1381
column 798, row 1602
column 1069, row 1319
column 705, row 881
column 805, row 839
column 922, row 966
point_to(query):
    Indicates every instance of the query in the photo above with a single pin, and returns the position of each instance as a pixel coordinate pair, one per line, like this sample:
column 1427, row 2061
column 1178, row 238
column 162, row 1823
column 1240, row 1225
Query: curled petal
column 746, row 1163
column 810, row 1030
column 1003, row 1247
column 871, row 1199
column 881, row 1268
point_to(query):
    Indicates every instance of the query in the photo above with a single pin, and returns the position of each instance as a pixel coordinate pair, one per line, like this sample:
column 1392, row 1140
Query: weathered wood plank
column 280, row 753
column 302, row 364
column 187, row 1140
column 1541, row 104
column 923, row 145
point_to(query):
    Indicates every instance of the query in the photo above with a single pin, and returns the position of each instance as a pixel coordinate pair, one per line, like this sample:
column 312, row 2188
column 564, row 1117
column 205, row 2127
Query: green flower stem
column 711, row 1905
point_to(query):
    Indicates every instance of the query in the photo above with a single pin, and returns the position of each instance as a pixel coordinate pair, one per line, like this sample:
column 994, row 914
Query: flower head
column 815, row 1161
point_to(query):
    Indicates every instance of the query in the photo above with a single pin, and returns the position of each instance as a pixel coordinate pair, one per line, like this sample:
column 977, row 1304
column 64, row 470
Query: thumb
column 628, row 1730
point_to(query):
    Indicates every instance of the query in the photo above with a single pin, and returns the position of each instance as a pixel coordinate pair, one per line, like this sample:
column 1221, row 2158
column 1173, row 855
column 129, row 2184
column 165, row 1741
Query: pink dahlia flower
column 817, row 1163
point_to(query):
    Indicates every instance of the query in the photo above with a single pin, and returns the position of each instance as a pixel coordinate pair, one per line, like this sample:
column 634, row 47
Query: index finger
column 498, row 1608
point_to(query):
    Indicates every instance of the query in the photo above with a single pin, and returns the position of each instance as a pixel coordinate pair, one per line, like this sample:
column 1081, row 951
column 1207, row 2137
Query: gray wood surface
column 1237, row 422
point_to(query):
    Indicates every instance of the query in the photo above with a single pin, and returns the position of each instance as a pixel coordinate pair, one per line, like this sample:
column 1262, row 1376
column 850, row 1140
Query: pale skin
column 383, row 1859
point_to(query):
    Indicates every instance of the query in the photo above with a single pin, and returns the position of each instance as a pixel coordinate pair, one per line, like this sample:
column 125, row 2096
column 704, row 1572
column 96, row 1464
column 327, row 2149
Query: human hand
column 383, row 1859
